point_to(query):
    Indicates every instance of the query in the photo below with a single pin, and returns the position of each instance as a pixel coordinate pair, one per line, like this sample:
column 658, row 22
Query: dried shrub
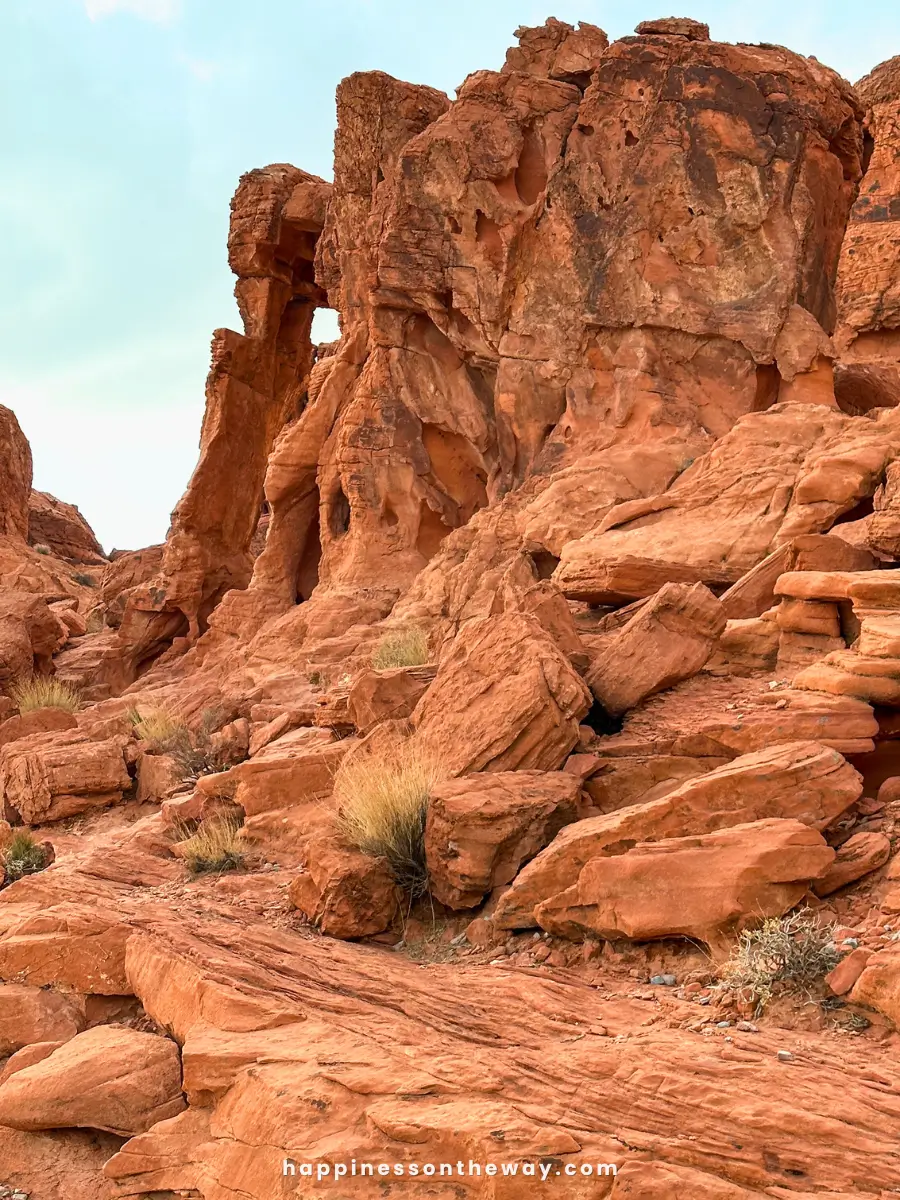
column 44, row 692
column 382, row 803
column 84, row 579
column 789, row 953
column 401, row 648
column 215, row 846
column 23, row 856
column 192, row 749
column 40, row 548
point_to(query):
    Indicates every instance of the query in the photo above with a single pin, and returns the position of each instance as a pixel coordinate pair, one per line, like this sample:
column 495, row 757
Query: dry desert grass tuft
column 795, row 951
column 382, row 806
column 44, row 692
column 401, row 648
column 216, row 845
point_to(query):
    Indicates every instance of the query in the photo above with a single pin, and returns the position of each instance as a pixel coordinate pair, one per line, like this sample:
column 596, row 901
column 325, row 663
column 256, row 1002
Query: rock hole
column 432, row 532
column 339, row 514
column 390, row 516
column 602, row 722
column 863, row 508
column 630, row 139
column 545, row 563
column 587, row 130
column 455, row 226
column 487, row 235
column 768, row 383
column 308, row 566
column 531, row 173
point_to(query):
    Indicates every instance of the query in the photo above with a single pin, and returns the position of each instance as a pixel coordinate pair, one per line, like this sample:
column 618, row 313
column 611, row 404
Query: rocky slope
column 590, row 518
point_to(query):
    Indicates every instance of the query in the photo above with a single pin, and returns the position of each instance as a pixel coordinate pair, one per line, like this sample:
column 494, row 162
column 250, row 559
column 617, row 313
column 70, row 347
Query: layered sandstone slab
column 705, row 887
column 110, row 1078
column 800, row 781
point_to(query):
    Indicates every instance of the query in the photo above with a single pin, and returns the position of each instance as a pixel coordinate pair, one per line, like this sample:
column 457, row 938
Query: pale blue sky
column 126, row 124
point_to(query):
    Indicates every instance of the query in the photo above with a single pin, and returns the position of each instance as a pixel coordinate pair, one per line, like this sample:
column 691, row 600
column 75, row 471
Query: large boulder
column 803, row 781
column 667, row 640
column 110, row 1078
column 47, row 777
column 482, row 828
column 504, row 698
column 344, row 893
column 705, row 887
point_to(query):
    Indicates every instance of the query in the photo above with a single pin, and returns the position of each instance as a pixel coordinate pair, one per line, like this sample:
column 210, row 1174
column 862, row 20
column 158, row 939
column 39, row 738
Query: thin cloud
column 160, row 12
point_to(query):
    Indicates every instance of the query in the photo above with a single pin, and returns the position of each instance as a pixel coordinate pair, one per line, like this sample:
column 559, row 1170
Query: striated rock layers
column 542, row 634
column 555, row 294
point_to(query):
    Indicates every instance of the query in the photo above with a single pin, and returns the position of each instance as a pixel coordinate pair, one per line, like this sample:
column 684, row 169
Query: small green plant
column 793, row 951
column 84, row 579
column 40, row 548
column 382, row 803
column 43, row 691
column 213, row 847
column 23, row 856
column 401, row 648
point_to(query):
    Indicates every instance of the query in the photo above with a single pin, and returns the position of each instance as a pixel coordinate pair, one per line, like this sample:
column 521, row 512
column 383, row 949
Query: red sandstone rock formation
column 63, row 529
column 606, row 443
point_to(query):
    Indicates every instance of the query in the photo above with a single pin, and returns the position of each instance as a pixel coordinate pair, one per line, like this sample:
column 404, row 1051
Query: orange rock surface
column 605, row 464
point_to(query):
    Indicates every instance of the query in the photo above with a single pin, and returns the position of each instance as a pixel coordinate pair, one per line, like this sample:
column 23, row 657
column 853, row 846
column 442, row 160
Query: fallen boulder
column 504, row 698
column 481, row 828
column 859, row 855
column 706, row 887
column 343, row 892
column 46, row 779
column 31, row 1014
column 669, row 639
column 110, row 1078
column 804, row 781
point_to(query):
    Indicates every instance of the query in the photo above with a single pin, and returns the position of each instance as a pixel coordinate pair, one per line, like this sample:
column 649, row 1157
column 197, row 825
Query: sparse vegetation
column 382, row 805
column 401, row 648
column 23, row 856
column 44, row 692
column 96, row 621
column 40, row 548
column 167, row 732
column 315, row 678
column 214, row 846
column 790, row 953
column 84, row 579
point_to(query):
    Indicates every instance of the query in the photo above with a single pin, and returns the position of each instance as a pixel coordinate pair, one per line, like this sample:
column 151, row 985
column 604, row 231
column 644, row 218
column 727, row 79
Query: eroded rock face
column 256, row 382
column 61, row 526
column 15, row 468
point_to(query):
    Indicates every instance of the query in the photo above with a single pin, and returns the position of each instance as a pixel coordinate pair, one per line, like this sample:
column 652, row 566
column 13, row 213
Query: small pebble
column 535, row 937
column 850, row 943
column 723, row 1025
column 458, row 940
column 784, row 1056
column 663, row 980
column 747, row 1027
column 703, row 999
